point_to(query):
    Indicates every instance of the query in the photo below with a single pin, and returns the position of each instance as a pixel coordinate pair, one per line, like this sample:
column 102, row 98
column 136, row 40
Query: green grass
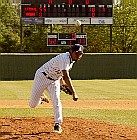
column 25, row 112
column 15, row 90
column 126, row 117
column 107, row 89
column 86, row 89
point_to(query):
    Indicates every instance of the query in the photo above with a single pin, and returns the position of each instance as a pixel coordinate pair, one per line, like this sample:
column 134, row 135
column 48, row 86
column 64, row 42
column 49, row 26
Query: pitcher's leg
column 37, row 90
column 54, row 91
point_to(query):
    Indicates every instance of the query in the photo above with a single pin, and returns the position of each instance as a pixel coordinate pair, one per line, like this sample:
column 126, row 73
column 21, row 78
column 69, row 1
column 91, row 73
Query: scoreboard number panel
column 66, row 39
column 52, row 11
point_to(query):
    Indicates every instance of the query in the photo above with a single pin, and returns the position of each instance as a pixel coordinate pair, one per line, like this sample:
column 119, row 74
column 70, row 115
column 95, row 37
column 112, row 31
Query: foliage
column 98, row 38
column 125, row 26
column 9, row 28
column 37, row 40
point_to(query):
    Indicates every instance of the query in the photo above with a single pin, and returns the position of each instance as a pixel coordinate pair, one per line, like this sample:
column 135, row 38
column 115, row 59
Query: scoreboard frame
column 57, row 12
column 66, row 39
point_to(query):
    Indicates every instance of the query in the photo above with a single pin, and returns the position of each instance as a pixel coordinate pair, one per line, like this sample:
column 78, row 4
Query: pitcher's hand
column 75, row 97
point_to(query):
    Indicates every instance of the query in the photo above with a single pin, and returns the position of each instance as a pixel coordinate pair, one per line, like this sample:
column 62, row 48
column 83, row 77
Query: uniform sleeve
column 64, row 64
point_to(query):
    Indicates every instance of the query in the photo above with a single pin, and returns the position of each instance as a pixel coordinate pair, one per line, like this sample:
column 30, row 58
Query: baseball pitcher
column 54, row 76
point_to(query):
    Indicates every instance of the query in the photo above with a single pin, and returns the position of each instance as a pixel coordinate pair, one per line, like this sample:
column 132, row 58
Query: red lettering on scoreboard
column 93, row 10
column 50, row 1
column 93, row 14
column 30, row 14
column 40, row 9
column 40, row 14
column 30, row 9
column 45, row 10
column 81, row 41
column 86, row 1
column 73, row 36
column 103, row 9
column 69, row 1
column 52, row 41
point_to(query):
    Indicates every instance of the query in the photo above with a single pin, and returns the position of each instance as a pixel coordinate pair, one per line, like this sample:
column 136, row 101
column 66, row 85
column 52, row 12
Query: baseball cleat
column 44, row 98
column 57, row 128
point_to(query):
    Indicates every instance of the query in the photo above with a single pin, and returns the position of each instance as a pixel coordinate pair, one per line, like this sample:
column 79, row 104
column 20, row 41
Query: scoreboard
column 66, row 39
column 66, row 11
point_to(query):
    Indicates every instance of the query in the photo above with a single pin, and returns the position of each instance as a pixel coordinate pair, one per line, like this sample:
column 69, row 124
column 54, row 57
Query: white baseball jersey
column 53, row 68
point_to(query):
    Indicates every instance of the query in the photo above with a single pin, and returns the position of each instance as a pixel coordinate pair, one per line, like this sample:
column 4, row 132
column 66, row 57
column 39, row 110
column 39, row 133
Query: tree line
column 121, row 37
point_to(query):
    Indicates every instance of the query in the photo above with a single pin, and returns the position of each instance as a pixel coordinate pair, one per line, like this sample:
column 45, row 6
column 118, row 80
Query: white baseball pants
column 41, row 83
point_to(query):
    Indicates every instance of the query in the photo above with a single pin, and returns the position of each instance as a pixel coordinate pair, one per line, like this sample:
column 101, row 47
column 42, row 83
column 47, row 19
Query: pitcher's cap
column 77, row 48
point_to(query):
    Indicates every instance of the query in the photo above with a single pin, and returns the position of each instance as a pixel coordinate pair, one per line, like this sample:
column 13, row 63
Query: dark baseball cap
column 77, row 48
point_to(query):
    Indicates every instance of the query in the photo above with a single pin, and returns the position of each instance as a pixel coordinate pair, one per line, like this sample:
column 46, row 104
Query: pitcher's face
column 77, row 55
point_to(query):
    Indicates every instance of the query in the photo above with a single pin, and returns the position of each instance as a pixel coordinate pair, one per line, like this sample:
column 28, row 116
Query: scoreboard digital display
column 67, row 11
column 66, row 39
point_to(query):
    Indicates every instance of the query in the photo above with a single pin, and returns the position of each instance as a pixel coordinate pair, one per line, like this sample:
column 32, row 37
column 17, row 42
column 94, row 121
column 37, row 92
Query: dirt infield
column 73, row 128
column 80, row 104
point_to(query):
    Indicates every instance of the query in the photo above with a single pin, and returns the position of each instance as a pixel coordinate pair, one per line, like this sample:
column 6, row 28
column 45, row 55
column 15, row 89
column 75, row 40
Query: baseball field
column 106, row 110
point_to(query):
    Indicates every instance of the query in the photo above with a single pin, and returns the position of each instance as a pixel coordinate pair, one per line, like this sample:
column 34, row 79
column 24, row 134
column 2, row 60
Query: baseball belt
column 47, row 76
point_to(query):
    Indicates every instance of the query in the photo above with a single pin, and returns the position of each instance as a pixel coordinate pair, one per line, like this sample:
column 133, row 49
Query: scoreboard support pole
column 111, row 50
column 82, row 28
column 21, row 37
column 21, row 29
column 51, row 29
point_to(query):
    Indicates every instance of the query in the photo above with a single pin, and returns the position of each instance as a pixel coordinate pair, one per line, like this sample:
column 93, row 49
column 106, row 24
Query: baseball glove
column 65, row 89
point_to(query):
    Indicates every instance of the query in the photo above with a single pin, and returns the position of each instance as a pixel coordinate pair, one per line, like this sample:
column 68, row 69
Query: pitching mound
column 73, row 129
